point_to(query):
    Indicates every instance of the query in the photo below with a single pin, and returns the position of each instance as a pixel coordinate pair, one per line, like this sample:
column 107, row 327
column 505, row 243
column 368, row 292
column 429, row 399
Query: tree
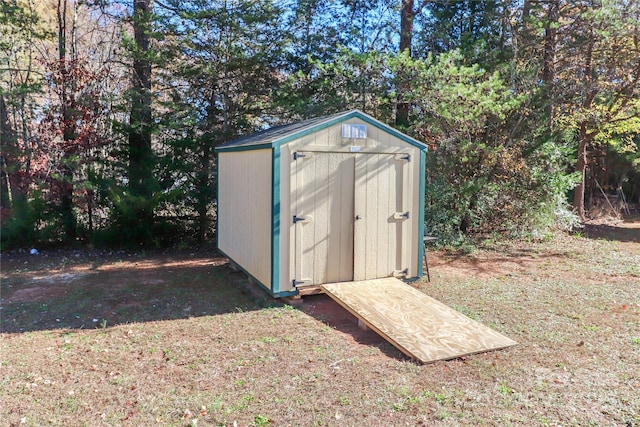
column 591, row 69
column 20, row 86
column 407, row 15
column 479, row 29
column 20, row 80
column 6, row 135
column 219, row 83
column 333, row 49
column 53, row 88
column 66, row 83
column 140, row 173
column 607, row 92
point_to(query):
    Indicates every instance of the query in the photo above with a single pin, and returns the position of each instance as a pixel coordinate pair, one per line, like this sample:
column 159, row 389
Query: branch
column 167, row 7
column 625, row 92
column 21, row 69
column 623, row 119
column 422, row 6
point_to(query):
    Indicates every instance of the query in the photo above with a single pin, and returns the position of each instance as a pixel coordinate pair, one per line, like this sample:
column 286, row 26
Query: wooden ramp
column 418, row 325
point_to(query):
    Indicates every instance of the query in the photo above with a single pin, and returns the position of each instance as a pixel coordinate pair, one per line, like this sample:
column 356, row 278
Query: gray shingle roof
column 277, row 132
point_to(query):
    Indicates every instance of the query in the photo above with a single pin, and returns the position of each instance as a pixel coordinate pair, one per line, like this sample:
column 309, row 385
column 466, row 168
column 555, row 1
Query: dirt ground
column 95, row 338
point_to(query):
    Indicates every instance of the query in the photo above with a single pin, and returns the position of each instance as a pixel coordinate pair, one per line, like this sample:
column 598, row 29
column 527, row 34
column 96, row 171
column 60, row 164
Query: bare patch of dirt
column 86, row 289
column 326, row 310
column 110, row 338
column 626, row 230
column 599, row 242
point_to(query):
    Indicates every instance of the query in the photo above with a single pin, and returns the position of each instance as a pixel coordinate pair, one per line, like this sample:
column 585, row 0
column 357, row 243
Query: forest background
column 110, row 110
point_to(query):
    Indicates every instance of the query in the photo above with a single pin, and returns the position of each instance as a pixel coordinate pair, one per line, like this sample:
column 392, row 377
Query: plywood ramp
column 418, row 325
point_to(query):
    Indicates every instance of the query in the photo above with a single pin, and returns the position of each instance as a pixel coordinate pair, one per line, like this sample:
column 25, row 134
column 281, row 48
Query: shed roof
column 279, row 135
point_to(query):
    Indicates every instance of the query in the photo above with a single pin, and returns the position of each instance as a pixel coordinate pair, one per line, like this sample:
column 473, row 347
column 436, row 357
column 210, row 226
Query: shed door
column 381, row 236
column 323, row 197
column 347, row 222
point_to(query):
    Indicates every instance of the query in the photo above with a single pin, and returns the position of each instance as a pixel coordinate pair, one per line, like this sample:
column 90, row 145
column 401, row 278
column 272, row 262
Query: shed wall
column 244, row 210
column 330, row 139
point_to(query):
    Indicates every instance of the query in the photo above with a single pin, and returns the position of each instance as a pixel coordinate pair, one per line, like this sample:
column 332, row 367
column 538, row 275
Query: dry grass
column 175, row 342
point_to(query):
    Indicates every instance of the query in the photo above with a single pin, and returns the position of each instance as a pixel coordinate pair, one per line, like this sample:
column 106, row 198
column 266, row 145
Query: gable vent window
column 354, row 131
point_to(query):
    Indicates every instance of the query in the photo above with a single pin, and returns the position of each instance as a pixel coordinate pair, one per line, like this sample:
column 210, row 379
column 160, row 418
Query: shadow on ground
column 73, row 290
column 626, row 231
column 491, row 264
column 63, row 293
column 324, row 309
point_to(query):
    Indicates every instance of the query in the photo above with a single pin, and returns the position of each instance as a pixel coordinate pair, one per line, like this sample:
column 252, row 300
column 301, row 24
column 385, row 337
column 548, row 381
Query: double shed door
column 350, row 216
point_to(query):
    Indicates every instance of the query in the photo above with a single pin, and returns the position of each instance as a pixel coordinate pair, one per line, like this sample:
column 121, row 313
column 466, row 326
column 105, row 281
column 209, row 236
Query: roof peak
column 283, row 133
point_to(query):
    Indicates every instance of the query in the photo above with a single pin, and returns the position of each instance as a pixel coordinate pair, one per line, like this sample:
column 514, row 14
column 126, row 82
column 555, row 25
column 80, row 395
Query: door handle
column 358, row 217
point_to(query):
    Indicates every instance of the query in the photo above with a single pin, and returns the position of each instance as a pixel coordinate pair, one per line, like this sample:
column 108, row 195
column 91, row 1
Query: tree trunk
column 581, row 166
column 585, row 135
column 406, row 37
column 14, row 171
column 6, row 135
column 204, row 186
column 140, row 168
column 549, row 58
column 526, row 10
column 68, row 124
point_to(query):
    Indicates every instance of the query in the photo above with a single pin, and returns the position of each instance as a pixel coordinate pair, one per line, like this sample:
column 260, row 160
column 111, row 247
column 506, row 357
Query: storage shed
column 332, row 199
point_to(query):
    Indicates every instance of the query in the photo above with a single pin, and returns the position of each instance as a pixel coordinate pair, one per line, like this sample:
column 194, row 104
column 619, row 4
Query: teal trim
column 352, row 114
column 296, row 134
column 284, row 294
column 423, row 177
column 316, row 128
column 275, row 220
column 392, row 131
column 244, row 147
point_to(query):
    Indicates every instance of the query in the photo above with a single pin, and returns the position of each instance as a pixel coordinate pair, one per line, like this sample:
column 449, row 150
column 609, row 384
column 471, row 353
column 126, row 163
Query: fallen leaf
column 187, row 414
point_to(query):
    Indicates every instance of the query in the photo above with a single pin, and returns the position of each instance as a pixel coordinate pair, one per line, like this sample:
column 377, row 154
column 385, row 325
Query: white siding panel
column 244, row 210
column 377, row 139
column 309, row 139
column 346, row 183
column 385, row 254
column 318, row 184
column 359, row 226
column 371, row 216
column 334, row 135
column 322, row 138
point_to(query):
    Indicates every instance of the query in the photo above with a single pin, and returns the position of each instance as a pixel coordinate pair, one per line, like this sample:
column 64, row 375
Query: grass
column 181, row 345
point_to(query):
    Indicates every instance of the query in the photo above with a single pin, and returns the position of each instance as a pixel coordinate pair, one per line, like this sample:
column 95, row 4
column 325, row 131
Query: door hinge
column 298, row 155
column 295, row 283
column 401, row 215
column 403, row 156
column 397, row 273
column 305, row 218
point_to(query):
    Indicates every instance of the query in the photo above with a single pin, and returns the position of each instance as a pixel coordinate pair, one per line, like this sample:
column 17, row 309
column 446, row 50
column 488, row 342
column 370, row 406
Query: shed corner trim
column 386, row 128
column 232, row 148
column 275, row 219
column 421, row 205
